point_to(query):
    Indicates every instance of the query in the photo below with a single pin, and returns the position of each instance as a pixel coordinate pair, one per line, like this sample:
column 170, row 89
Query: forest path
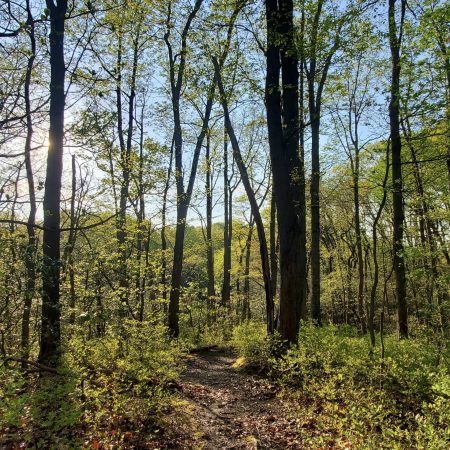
column 233, row 410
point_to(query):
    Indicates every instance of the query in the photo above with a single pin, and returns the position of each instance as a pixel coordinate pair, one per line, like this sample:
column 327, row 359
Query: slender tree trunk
column 314, row 115
column 421, row 212
column 395, row 37
column 359, row 247
column 71, row 244
column 264, row 253
column 163, row 228
column 226, row 286
column 125, row 156
column 31, row 251
column 184, row 197
column 273, row 249
column 209, row 239
column 373, row 292
column 315, row 223
column 315, row 106
column 121, row 218
column 141, row 272
column 246, row 307
column 51, row 315
column 230, row 224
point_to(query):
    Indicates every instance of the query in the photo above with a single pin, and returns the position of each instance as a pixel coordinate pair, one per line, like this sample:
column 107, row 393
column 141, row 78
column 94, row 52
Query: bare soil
column 229, row 409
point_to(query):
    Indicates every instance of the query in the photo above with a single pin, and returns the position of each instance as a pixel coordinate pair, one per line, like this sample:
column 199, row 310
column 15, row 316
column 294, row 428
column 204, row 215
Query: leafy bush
column 346, row 395
column 196, row 332
column 111, row 389
column 252, row 345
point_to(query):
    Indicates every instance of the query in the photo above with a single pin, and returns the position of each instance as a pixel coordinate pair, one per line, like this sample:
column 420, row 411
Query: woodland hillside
column 224, row 224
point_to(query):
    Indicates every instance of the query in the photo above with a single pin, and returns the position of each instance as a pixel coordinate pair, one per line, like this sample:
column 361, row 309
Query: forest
column 225, row 224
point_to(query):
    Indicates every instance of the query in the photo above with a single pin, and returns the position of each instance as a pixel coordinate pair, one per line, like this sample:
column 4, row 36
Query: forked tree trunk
column 184, row 196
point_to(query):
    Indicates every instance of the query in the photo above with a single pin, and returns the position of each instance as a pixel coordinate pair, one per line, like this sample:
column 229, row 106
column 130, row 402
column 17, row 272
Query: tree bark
column 125, row 158
column 209, row 239
column 246, row 307
column 31, row 250
column 226, row 286
column 314, row 113
column 263, row 250
column 163, row 228
column 50, row 341
column 71, row 244
column 395, row 40
column 376, row 270
column 355, row 164
column 287, row 165
column 273, row 249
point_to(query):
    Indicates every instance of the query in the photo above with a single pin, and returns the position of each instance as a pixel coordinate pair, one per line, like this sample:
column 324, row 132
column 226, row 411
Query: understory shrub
column 110, row 391
column 195, row 333
column 345, row 395
column 252, row 345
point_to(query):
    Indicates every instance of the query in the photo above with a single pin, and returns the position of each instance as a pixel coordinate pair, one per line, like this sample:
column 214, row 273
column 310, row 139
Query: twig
column 39, row 366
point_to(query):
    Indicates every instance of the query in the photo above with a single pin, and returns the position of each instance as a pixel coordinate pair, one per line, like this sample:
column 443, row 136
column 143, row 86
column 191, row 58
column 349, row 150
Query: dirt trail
column 232, row 410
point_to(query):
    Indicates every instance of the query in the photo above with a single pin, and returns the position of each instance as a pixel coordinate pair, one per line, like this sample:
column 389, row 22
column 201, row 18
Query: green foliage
column 252, row 343
column 41, row 412
column 12, row 397
column 347, row 395
column 113, row 388
column 201, row 327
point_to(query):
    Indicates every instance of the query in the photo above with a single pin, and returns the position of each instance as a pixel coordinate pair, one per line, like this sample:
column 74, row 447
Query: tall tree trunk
column 315, row 223
column 31, row 251
column 163, row 228
column 287, row 166
column 273, row 249
column 359, row 246
column 226, row 286
column 373, row 292
column 427, row 235
column 141, row 272
column 314, row 114
column 71, row 244
column 395, row 40
column 51, row 315
column 184, row 196
column 319, row 78
column 209, row 239
column 125, row 157
column 246, row 308
column 263, row 250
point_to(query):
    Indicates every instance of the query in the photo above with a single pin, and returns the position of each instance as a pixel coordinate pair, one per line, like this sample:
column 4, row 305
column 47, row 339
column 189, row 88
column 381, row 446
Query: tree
column 287, row 167
column 395, row 42
column 31, row 252
column 176, row 75
column 264, row 253
column 209, row 210
column 51, row 308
